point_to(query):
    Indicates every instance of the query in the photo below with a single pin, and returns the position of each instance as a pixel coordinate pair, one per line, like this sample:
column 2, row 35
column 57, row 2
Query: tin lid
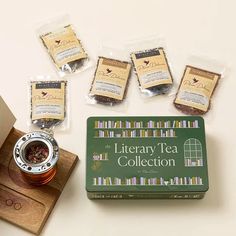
column 36, row 152
column 146, row 154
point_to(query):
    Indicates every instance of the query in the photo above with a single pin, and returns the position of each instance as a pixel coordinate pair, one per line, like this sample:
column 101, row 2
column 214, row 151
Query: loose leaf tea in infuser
column 110, row 81
column 195, row 91
column 48, row 103
column 37, row 153
column 63, row 46
column 153, row 71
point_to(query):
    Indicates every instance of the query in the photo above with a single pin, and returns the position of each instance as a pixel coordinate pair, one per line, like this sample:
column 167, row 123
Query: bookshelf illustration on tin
column 193, row 156
column 142, row 133
column 100, row 156
column 141, row 129
column 143, row 181
column 111, row 124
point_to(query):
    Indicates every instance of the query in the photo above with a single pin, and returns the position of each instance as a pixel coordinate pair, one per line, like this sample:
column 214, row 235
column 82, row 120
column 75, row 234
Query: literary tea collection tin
column 146, row 157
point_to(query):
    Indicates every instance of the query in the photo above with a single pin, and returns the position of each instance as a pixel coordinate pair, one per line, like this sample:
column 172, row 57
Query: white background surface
column 203, row 26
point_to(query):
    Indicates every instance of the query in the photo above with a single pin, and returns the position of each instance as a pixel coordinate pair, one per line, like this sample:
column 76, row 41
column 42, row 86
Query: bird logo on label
column 109, row 71
column 44, row 93
column 57, row 42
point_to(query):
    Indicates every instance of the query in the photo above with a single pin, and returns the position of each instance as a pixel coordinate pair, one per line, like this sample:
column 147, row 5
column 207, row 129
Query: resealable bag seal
column 60, row 39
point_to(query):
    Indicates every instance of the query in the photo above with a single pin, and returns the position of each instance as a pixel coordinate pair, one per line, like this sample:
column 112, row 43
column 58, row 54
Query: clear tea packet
column 63, row 45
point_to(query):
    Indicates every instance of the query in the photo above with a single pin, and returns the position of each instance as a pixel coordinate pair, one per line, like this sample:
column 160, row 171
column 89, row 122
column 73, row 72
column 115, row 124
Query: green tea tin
column 146, row 157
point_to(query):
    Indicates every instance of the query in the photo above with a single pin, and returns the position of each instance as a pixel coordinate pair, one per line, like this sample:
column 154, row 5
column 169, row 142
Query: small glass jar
column 36, row 155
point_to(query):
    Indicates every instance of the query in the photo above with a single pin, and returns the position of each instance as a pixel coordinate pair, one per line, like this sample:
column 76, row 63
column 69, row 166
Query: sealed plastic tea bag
column 198, row 83
column 151, row 66
column 110, row 82
column 48, row 103
column 64, row 47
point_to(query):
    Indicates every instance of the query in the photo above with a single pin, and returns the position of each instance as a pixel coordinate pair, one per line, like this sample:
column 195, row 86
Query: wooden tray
column 25, row 205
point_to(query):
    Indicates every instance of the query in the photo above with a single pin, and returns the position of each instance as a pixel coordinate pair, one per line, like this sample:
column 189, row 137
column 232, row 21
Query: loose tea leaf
column 109, row 86
column 48, row 103
column 37, row 153
column 153, row 71
column 195, row 91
